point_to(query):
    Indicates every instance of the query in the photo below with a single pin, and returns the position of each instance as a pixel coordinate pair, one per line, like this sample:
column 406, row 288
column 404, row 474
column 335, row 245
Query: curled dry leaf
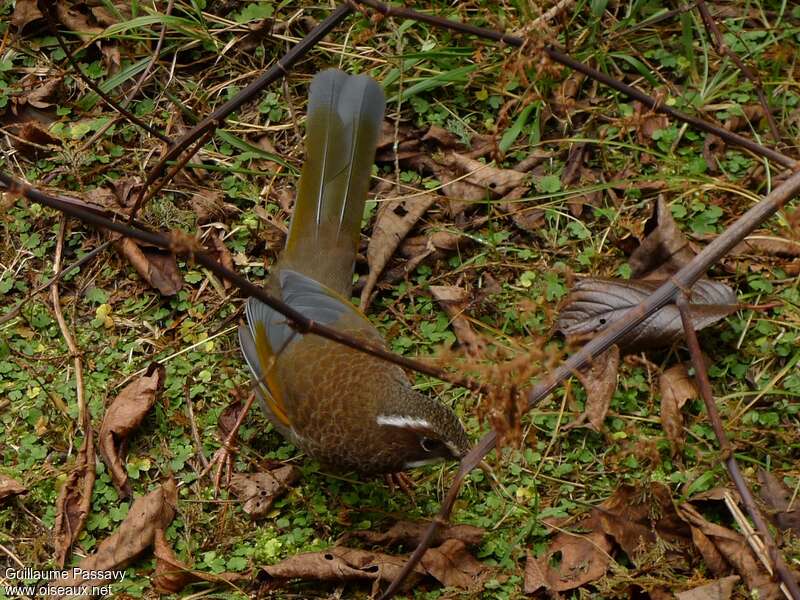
column 77, row 21
column 25, row 11
column 453, row 566
column 74, row 500
column 487, row 178
column 394, row 220
column 172, row 575
column 221, row 254
column 409, row 533
column 344, row 564
column 599, row 381
column 716, row 541
column 10, row 487
column 778, row 498
column 135, row 534
column 720, row 589
column 454, row 300
column 209, row 206
column 33, row 141
column 122, row 417
column 677, row 388
column 258, row 491
column 594, row 304
column 584, row 558
column 157, row 267
column 664, row 249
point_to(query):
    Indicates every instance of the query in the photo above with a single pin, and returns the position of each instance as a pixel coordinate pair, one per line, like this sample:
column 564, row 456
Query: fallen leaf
column 344, row 564
column 10, row 487
column 409, row 533
column 664, row 250
column 228, row 417
column 42, row 96
column 258, row 491
column 599, row 381
column 74, row 19
column 25, row 11
column 777, row 497
column 135, row 534
column 74, row 500
column 721, row 589
column 394, row 220
column 454, row 300
column 767, row 246
column 220, row 253
column 156, row 266
column 122, row 417
column 647, row 122
column 453, row 566
column 487, row 178
column 33, row 141
column 734, row 548
column 570, row 561
column 677, row 388
column 209, row 206
column 594, row 304
column 172, row 575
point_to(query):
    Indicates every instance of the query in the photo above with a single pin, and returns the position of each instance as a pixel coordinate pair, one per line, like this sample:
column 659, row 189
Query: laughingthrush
column 349, row 410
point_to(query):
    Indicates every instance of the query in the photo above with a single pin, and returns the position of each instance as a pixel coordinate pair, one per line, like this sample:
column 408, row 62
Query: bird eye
column 430, row 445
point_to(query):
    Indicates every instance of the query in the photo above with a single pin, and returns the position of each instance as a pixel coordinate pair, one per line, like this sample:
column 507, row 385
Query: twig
column 179, row 244
column 566, row 60
column 722, row 48
column 683, row 279
column 83, row 415
column 215, row 119
column 792, row 590
column 48, row 8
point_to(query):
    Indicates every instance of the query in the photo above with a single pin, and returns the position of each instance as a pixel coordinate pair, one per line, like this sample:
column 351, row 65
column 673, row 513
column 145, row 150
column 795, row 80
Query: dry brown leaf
column 220, row 253
column 25, row 11
column 228, row 417
column 77, row 21
column 258, row 491
column 172, row 575
column 122, row 417
column 594, row 304
column 209, row 206
column 454, row 300
column 453, row 566
column 33, row 141
column 600, row 383
column 647, row 122
column 344, row 564
column 409, row 533
column 135, row 534
column 721, row 589
column 10, row 487
column 74, row 500
column 777, row 498
column 156, row 266
column 767, row 246
column 736, row 552
column 664, row 250
column 677, row 388
column 487, row 178
column 394, row 220
column 583, row 558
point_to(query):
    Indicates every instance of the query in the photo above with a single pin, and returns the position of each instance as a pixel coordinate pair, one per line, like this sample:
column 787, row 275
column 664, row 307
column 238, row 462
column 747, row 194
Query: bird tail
column 342, row 127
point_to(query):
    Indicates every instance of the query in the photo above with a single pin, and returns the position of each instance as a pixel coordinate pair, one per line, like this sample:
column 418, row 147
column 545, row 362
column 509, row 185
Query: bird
column 346, row 409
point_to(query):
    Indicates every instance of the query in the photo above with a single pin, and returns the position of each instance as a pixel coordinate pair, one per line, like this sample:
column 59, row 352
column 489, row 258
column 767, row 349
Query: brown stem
column 722, row 48
column 211, row 122
column 566, row 60
column 704, row 385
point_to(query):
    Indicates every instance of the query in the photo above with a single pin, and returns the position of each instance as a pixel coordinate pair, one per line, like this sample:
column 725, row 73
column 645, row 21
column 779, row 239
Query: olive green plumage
column 347, row 409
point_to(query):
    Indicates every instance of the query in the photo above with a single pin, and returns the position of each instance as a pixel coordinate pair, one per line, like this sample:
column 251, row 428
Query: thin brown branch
column 48, row 8
column 215, row 119
column 182, row 245
column 792, row 589
column 682, row 280
column 723, row 49
column 636, row 94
